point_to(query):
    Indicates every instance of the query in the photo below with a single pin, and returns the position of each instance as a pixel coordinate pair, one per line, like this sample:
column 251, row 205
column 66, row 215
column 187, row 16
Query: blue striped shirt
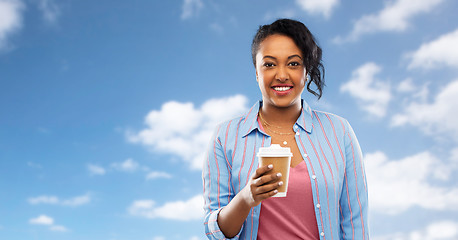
column 334, row 161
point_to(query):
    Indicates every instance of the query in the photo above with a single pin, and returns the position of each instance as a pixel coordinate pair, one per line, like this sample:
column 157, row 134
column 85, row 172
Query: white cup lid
column 275, row 150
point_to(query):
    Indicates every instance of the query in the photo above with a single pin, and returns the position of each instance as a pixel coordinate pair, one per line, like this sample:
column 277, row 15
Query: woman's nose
column 282, row 74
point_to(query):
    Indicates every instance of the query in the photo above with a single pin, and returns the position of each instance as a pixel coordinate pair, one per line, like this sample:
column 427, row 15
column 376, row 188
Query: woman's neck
column 285, row 116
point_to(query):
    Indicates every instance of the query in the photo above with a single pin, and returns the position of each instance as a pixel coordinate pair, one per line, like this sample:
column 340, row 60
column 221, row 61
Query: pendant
column 285, row 142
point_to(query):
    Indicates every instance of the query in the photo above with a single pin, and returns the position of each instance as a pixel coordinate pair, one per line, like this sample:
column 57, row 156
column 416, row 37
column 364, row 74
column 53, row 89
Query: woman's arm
column 262, row 185
column 354, row 201
column 226, row 212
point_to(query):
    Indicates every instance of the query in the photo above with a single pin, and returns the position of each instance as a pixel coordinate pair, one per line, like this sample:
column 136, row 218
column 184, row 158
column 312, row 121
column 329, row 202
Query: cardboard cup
column 280, row 158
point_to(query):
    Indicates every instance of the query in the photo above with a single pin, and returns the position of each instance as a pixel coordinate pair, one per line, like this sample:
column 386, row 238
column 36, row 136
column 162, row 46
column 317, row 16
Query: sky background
column 106, row 109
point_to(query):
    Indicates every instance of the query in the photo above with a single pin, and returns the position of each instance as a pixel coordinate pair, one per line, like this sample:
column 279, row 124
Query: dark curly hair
column 305, row 42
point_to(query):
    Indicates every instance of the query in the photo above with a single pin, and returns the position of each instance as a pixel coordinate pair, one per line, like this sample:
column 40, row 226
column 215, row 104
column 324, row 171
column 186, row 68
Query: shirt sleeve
column 216, row 176
column 354, row 200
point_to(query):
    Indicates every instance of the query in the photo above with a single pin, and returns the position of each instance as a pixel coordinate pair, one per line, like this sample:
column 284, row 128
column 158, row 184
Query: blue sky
column 107, row 108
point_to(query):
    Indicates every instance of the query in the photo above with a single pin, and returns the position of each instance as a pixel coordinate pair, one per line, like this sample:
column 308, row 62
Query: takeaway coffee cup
column 280, row 158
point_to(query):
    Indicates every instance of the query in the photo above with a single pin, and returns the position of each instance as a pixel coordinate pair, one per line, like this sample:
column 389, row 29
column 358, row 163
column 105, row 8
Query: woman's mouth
column 282, row 90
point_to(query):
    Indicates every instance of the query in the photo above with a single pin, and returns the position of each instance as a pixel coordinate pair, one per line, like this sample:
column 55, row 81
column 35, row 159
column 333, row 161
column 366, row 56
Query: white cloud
column 44, row 199
column 58, row 228
column 10, row 19
column 48, row 221
column 95, row 169
column 217, row 28
column 438, row 118
column 413, row 91
column 454, row 156
column 73, row 202
column 323, row 7
column 42, row 220
column 439, row 52
column 34, row 165
column 441, row 230
column 397, row 185
column 423, row 93
column 185, row 131
column 191, row 8
column 373, row 94
column 155, row 175
column 394, row 17
column 77, row 201
column 179, row 210
column 50, row 10
column 406, row 86
column 129, row 165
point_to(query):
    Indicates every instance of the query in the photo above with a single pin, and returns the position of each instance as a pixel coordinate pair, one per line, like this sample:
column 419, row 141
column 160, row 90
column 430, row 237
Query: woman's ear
column 257, row 80
column 307, row 76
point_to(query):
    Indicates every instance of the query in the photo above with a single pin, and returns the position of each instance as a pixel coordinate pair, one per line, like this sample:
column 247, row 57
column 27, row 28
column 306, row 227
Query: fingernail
column 275, row 191
column 280, row 183
column 270, row 166
column 279, row 175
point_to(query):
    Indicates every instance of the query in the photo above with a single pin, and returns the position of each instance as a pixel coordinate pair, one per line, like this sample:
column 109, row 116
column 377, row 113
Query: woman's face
column 280, row 71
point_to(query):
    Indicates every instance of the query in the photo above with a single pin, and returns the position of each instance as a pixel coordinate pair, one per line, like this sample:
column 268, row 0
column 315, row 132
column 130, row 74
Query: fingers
column 265, row 191
column 266, row 183
column 267, row 179
column 262, row 170
column 272, row 187
column 263, row 184
column 266, row 195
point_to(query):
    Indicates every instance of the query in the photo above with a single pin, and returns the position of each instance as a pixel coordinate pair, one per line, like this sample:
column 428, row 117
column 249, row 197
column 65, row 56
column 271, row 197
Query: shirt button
column 313, row 177
column 298, row 133
column 318, row 205
column 322, row 234
column 305, row 155
column 295, row 126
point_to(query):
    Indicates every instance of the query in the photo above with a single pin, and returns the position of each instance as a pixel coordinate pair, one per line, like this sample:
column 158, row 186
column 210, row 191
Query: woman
column 327, row 193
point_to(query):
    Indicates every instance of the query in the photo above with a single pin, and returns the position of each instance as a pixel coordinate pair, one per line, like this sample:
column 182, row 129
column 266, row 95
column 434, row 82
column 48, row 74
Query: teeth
column 282, row 88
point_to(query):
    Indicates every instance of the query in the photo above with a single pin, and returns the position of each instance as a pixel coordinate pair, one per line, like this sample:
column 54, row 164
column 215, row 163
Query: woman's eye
column 268, row 65
column 294, row 64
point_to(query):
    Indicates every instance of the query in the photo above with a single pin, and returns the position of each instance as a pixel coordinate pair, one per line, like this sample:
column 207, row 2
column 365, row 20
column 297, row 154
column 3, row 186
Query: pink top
column 293, row 216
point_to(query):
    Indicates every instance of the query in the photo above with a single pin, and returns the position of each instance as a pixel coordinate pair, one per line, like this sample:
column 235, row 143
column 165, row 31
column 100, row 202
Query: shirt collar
column 306, row 118
column 249, row 122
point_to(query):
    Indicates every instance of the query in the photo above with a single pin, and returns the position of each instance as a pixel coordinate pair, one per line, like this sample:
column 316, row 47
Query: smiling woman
column 327, row 193
column 280, row 72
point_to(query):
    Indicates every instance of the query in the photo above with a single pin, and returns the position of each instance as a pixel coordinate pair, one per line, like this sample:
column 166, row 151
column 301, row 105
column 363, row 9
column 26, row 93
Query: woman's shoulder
column 243, row 122
column 327, row 118
column 331, row 116
column 231, row 123
column 228, row 130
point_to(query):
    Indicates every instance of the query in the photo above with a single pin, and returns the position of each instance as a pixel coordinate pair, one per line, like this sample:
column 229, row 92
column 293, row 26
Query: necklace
column 282, row 134
column 268, row 125
column 265, row 122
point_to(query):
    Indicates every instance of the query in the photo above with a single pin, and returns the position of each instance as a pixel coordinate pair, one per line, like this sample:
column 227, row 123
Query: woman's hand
column 262, row 185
